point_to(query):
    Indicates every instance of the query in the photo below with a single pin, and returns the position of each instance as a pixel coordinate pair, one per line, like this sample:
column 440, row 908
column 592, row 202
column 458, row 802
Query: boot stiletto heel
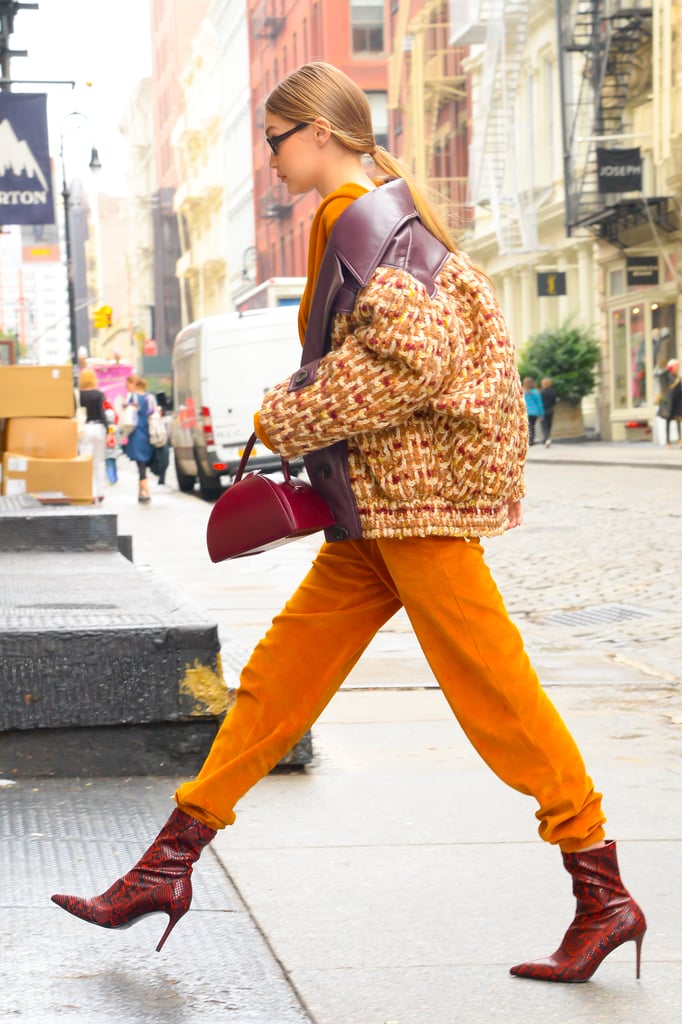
column 160, row 881
column 606, row 917
column 173, row 918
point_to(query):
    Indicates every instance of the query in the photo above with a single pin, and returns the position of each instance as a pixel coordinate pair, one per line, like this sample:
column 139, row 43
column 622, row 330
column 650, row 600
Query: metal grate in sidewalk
column 76, row 836
column 18, row 502
column 599, row 615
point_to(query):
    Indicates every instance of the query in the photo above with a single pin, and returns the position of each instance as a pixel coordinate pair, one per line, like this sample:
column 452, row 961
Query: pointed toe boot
column 160, row 881
column 606, row 917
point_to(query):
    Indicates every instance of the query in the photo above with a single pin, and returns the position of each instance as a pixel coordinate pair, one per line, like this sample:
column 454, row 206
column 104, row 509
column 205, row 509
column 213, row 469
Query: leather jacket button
column 340, row 533
column 300, row 377
column 323, row 471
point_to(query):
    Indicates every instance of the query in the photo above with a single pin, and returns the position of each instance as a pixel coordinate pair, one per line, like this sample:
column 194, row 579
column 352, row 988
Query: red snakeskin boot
column 160, row 881
column 606, row 917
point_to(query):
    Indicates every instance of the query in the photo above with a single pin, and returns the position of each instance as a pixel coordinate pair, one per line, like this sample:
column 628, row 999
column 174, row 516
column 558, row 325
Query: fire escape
column 427, row 92
column 603, row 44
column 275, row 202
column 266, row 24
column 499, row 168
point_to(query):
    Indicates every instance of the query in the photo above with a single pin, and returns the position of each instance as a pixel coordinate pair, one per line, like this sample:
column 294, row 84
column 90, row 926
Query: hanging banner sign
column 25, row 174
column 641, row 270
column 619, row 170
column 552, row 283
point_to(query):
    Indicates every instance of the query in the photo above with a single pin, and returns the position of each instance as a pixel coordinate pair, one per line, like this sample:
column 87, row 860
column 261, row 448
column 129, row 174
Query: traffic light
column 102, row 317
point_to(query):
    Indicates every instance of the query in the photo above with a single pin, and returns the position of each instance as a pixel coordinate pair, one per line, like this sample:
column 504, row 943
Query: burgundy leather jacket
column 379, row 229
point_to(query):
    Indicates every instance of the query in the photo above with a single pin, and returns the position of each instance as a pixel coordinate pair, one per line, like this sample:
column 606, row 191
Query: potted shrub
column 570, row 355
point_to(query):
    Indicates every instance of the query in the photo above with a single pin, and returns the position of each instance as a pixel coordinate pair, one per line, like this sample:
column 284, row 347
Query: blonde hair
column 137, row 382
column 321, row 90
column 87, row 379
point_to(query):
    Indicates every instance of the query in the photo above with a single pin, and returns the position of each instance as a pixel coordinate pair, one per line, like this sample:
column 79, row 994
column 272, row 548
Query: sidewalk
column 393, row 882
column 615, row 453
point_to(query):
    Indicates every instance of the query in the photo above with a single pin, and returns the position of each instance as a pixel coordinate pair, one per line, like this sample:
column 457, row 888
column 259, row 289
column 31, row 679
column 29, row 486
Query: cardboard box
column 72, row 478
column 36, row 391
column 42, row 438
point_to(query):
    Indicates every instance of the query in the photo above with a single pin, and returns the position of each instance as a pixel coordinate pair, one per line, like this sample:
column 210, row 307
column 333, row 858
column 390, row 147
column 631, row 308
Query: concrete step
column 90, row 639
column 103, row 669
column 36, row 527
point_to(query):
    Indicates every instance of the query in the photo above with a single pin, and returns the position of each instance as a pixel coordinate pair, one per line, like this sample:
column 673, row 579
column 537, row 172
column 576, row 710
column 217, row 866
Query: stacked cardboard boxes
column 39, row 435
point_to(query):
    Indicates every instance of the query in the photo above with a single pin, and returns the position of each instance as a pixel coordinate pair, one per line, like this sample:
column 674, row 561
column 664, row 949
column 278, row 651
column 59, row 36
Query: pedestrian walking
column 549, row 400
column 111, row 443
column 670, row 400
column 138, row 446
column 534, row 407
column 408, row 411
column 94, row 431
column 161, row 456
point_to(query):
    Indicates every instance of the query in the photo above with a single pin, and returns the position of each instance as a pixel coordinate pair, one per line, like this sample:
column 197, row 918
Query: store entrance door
column 643, row 340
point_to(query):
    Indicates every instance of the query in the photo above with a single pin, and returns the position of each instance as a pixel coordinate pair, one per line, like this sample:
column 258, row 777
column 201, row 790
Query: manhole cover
column 599, row 616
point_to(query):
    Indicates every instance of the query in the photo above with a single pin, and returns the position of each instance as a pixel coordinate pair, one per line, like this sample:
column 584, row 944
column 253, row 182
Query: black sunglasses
column 275, row 141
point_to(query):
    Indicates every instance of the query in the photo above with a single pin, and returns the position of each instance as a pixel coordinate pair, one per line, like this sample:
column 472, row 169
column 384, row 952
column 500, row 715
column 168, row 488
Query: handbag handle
column 245, row 458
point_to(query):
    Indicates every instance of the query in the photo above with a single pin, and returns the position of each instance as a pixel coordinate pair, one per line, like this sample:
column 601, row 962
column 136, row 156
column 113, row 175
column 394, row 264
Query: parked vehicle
column 222, row 366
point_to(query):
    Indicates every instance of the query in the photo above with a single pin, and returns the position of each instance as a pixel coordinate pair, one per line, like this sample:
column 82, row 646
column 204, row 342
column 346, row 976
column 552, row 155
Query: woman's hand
column 514, row 513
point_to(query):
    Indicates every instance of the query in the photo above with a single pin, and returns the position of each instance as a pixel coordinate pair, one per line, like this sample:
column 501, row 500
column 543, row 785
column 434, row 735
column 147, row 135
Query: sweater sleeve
column 387, row 368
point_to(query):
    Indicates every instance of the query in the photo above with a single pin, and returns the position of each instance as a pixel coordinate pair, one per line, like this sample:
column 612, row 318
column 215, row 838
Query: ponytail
column 390, row 168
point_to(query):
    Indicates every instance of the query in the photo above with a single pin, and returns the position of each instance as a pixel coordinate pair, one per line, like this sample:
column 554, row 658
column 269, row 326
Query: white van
column 222, row 366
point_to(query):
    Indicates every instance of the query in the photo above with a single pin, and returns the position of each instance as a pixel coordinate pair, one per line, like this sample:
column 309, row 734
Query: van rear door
column 241, row 361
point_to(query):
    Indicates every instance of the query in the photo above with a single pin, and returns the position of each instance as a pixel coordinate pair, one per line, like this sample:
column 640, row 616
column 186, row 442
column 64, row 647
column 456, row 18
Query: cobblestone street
column 597, row 564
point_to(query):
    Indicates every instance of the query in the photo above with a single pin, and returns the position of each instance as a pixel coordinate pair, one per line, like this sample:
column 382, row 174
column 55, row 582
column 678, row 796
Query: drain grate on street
column 599, row 615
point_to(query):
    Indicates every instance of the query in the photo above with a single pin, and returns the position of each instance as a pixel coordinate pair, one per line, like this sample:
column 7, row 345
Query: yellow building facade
column 563, row 103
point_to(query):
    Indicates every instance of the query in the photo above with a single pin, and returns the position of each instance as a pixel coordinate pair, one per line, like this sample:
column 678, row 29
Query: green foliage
column 568, row 354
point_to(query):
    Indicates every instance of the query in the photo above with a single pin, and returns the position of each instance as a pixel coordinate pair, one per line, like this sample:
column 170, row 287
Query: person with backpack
column 136, row 412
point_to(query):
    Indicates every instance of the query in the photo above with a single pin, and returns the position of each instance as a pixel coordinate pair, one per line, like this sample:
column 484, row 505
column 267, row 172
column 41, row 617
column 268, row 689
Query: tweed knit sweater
column 426, row 392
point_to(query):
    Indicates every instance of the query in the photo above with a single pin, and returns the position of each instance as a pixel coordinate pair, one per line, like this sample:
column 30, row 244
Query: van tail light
column 208, row 426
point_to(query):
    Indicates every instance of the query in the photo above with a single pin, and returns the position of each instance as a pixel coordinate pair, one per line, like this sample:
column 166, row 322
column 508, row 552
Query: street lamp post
column 95, row 166
column 69, row 268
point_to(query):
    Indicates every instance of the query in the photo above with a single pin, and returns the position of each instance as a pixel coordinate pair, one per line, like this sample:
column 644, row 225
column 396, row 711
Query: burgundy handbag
column 258, row 513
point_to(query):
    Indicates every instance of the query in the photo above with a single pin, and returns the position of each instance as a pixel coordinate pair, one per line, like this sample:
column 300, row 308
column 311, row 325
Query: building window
column 550, row 128
column 638, row 377
column 617, row 281
column 663, row 333
column 619, row 356
column 367, row 25
column 526, row 168
column 378, row 105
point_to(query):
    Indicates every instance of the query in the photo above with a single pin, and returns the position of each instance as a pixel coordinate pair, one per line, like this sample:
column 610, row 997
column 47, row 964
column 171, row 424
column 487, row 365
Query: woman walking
column 534, row 407
column 93, row 437
column 138, row 447
column 549, row 400
column 670, row 400
column 408, row 411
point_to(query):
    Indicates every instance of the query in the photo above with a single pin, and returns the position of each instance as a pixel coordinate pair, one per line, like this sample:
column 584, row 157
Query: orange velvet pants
column 476, row 654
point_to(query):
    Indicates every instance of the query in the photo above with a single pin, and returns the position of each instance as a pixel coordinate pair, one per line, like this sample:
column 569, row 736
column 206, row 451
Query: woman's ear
column 322, row 131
